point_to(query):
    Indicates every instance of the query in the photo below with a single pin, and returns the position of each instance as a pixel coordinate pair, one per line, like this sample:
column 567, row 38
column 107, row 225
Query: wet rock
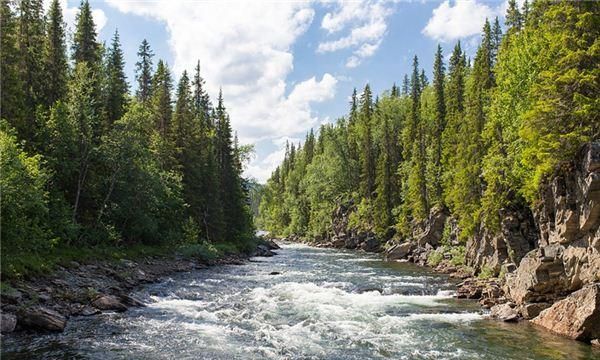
column 399, row 251
column 531, row 310
column 370, row 244
column 576, row 317
column 365, row 289
column 505, row 312
column 272, row 245
column 109, row 302
column 338, row 242
column 41, row 318
column 8, row 322
column 87, row 311
column 263, row 250
column 11, row 296
column 469, row 289
column 130, row 300
column 274, row 273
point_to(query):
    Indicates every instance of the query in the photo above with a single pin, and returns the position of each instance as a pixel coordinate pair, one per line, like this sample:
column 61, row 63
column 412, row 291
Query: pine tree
column 55, row 56
column 117, row 87
column 405, row 85
column 31, row 45
column 496, row 40
column 11, row 96
column 202, row 103
column 85, row 48
column 161, row 102
column 439, row 124
column 513, row 16
column 143, row 71
column 182, row 116
column 366, row 155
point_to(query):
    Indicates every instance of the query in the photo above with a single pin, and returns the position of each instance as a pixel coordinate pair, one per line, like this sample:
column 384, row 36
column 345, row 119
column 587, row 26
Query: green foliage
column 486, row 272
column 435, row 257
column 86, row 170
column 479, row 139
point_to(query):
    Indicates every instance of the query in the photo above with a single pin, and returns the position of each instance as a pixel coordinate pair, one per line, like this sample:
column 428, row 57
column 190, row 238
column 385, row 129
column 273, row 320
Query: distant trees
column 478, row 139
column 84, row 163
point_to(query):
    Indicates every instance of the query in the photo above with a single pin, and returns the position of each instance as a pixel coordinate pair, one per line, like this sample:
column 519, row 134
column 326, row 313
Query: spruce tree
column 513, row 16
column 116, row 87
column 11, row 96
column 440, row 122
column 365, row 135
column 85, row 47
column 55, row 56
column 161, row 102
column 143, row 71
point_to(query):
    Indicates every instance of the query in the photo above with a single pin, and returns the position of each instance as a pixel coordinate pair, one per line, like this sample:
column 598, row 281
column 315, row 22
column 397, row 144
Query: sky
column 288, row 66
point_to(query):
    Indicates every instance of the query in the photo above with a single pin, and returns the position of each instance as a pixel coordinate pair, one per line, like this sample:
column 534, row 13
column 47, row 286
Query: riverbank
column 87, row 286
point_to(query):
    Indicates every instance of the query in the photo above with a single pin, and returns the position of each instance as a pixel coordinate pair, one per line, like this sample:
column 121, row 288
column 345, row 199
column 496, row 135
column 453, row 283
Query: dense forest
column 476, row 137
column 86, row 164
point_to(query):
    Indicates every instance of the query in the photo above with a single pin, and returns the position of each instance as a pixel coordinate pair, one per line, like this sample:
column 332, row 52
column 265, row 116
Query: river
column 324, row 304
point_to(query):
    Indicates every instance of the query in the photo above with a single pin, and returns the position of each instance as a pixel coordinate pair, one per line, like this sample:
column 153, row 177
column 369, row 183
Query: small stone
column 274, row 273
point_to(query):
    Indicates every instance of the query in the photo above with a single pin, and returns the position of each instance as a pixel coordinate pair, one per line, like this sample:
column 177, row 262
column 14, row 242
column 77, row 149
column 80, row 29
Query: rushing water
column 325, row 304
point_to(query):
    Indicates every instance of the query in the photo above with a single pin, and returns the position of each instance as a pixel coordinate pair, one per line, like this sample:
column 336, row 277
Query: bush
column 435, row 257
column 486, row 272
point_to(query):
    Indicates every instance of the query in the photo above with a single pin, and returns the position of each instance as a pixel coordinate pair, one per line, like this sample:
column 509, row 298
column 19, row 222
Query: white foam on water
column 194, row 309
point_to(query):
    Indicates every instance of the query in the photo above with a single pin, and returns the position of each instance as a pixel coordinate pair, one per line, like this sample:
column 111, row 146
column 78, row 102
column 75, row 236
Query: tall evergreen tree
column 11, row 96
column 161, row 102
column 513, row 16
column 365, row 134
column 143, row 71
column 85, row 46
column 55, row 56
column 117, row 87
column 440, row 122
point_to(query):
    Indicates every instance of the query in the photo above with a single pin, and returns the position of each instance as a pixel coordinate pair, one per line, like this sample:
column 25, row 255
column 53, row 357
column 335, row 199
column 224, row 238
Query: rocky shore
column 46, row 303
column 542, row 266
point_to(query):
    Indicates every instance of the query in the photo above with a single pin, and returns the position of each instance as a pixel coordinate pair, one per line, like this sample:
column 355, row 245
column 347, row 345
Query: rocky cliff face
column 568, row 256
column 493, row 249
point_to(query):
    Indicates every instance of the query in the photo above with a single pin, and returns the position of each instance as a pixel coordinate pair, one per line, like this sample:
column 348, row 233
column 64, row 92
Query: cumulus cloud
column 357, row 25
column 245, row 48
column 70, row 15
column 462, row 19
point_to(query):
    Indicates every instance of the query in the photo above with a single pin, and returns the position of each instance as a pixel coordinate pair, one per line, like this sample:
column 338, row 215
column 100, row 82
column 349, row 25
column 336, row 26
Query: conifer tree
column 513, row 16
column 143, row 71
column 55, row 56
column 117, row 87
column 439, row 124
column 161, row 102
column 11, row 96
column 366, row 155
column 85, row 46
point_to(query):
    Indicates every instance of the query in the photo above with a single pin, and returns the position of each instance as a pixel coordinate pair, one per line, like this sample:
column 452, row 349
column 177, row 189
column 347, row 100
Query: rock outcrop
column 568, row 218
column 344, row 236
column 577, row 316
column 433, row 228
column 41, row 318
column 8, row 322
column 492, row 249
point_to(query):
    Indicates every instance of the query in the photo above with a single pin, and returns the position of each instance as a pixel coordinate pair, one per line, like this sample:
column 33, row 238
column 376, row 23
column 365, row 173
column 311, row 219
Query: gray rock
column 8, row 322
column 371, row 244
column 109, row 302
column 40, row 318
column 399, row 251
column 531, row 310
column 131, row 300
column 434, row 227
column 505, row 312
column 577, row 316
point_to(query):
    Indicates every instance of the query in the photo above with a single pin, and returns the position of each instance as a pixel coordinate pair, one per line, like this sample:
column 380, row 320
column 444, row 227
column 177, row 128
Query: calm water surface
column 325, row 304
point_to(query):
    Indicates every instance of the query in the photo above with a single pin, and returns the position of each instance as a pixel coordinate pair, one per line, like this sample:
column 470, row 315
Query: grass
column 486, row 272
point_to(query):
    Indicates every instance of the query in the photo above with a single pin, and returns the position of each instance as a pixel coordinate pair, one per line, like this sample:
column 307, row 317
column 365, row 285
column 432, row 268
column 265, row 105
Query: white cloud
column 70, row 15
column 463, row 19
column 245, row 48
column 367, row 23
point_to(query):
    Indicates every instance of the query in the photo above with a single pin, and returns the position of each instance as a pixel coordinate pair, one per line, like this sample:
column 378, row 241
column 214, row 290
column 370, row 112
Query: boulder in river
column 108, row 302
column 505, row 312
column 577, row 316
column 263, row 250
column 9, row 321
column 41, row 318
column 399, row 251
column 131, row 300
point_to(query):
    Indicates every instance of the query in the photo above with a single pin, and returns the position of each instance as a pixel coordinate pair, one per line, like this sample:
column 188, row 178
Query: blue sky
column 288, row 66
